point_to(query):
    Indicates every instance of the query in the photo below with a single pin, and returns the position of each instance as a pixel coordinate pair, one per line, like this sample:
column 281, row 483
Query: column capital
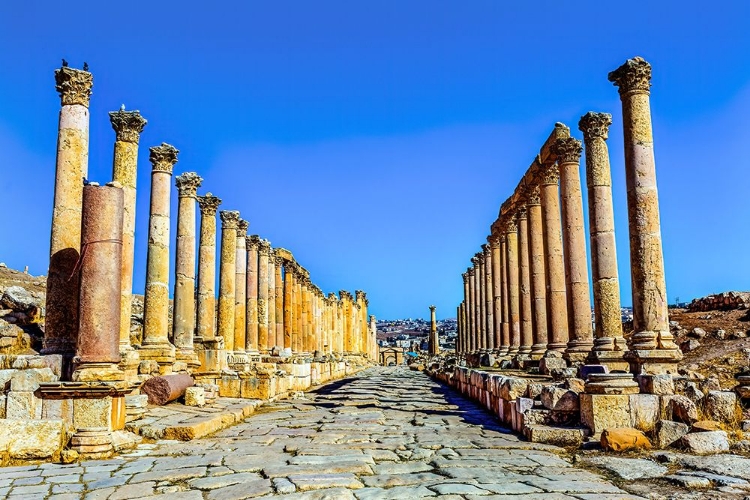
column 332, row 297
column 361, row 295
column 486, row 250
column 73, row 85
column 595, row 125
column 549, row 174
column 633, row 76
column 520, row 212
column 510, row 225
column 345, row 295
column 208, row 204
column 188, row 184
column 532, row 195
column 475, row 259
column 372, row 318
column 127, row 125
column 470, row 271
column 567, row 150
column 465, row 277
column 242, row 226
column 229, row 219
column 432, row 308
column 494, row 241
column 163, row 157
column 264, row 248
column 252, row 241
column 279, row 261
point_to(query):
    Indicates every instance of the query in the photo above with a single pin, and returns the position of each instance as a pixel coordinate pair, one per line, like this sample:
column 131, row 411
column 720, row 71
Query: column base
column 163, row 354
column 537, row 351
column 611, row 384
column 129, row 361
column 613, row 360
column 556, row 347
column 92, row 443
column 653, row 362
column 98, row 372
column 189, row 357
column 524, row 350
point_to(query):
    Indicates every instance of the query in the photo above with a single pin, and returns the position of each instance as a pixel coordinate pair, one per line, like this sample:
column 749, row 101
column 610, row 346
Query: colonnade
column 267, row 306
column 527, row 294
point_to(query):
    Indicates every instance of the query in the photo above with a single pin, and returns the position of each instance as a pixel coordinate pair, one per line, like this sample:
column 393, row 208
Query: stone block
column 92, row 413
column 669, row 432
column 229, row 386
column 605, row 411
column 681, row 408
column 705, row 426
column 29, row 380
column 139, row 401
column 23, row 406
column 703, row 443
column 644, row 411
column 534, row 390
column 624, row 439
column 557, row 398
column 585, row 370
column 721, row 406
column 513, row 388
column 547, row 365
column 560, row 436
column 57, row 409
column 662, row 385
column 32, row 439
column 195, row 396
column 537, row 417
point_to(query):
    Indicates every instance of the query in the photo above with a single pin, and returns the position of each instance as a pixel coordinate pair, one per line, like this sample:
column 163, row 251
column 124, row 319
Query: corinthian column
column 264, row 254
column 557, row 310
column 497, row 308
column 279, row 304
column 472, row 312
column 505, row 297
column 183, row 311
column 465, row 329
column 482, row 305
column 581, row 337
column 156, row 345
column 207, row 267
column 652, row 346
column 514, row 319
column 289, row 337
column 252, row 244
column 609, row 344
column 240, row 288
column 524, row 276
column 128, row 126
column 488, row 298
column 230, row 220
column 537, row 271
column 61, row 322
column 433, row 344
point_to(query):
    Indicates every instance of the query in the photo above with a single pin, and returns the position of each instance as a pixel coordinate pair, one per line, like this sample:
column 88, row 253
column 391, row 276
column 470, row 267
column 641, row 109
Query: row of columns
column 266, row 302
column 528, row 293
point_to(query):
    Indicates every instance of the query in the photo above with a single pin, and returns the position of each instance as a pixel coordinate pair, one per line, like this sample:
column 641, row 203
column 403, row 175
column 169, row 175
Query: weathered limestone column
column 467, row 328
column 156, row 345
column 652, row 346
column 524, row 277
column 482, row 306
column 537, row 270
column 207, row 267
column 489, row 299
column 346, row 319
column 240, row 288
column 336, row 316
column 514, row 316
column 279, row 305
column 557, row 309
column 505, row 296
column 183, row 311
column 609, row 344
column 230, row 220
column 306, row 330
column 251, row 286
column 374, row 336
column 580, row 334
column 472, row 344
column 98, row 346
column 61, row 322
column 288, row 306
column 477, row 299
column 433, row 344
column 497, row 308
column 464, row 328
column 264, row 254
column 128, row 126
column 271, row 306
column 298, row 277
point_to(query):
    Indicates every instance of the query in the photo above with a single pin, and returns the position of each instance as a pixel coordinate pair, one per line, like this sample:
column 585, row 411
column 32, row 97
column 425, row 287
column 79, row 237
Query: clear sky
column 376, row 140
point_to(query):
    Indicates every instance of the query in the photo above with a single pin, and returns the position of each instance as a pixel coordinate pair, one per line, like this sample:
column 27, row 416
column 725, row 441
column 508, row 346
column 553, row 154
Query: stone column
column 467, row 327
column 128, row 126
column 557, row 309
column 609, row 344
column 240, row 288
column 482, row 306
column 514, row 316
column 264, row 254
column 652, row 346
column 464, row 328
column 471, row 312
column 279, row 304
column 306, row 331
column 537, row 271
column 505, row 297
column 434, row 345
column 156, row 345
column 98, row 346
column 61, row 322
column 524, row 285
column 374, row 335
column 298, row 277
column 581, row 337
column 288, row 307
column 271, row 305
column 489, row 299
column 497, row 308
column 206, row 328
column 183, row 310
column 230, row 220
column 251, row 314
column 477, row 302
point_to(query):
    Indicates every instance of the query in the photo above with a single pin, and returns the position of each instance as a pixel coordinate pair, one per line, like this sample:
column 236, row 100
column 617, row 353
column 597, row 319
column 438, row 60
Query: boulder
column 697, row 333
column 705, row 442
column 32, row 439
column 559, row 399
column 683, row 409
column 195, row 396
column 689, row 345
column 669, row 432
column 624, row 439
column 721, row 406
column 705, row 426
column 19, row 299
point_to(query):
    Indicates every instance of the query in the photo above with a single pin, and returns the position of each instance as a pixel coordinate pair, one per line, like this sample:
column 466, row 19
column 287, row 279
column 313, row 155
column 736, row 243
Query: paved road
column 387, row 433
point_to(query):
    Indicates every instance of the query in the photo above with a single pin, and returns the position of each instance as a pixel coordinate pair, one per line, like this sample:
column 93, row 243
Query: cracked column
column 497, row 309
column 489, row 337
column 61, row 322
column 609, row 344
column 156, row 345
column 230, row 220
column 652, row 347
column 433, row 344
column 252, row 244
column 264, row 254
column 240, row 288
column 524, row 285
column 279, row 304
column 580, row 335
column 514, row 318
column 183, row 310
column 128, row 126
column 209, row 345
column 557, row 309
column 535, row 229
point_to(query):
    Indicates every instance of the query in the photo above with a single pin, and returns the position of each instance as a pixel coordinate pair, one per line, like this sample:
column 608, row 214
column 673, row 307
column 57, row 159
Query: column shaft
column 252, row 244
column 206, row 328
column 489, row 337
column 240, row 288
column 497, row 306
column 227, row 277
column 537, row 271
column 264, row 253
column 527, row 318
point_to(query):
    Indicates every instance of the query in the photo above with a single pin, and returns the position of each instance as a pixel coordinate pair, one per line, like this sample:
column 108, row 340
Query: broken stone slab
column 669, row 432
column 682, row 409
column 628, row 468
column 560, row 436
column 163, row 389
column 706, row 426
column 29, row 380
column 702, row 443
column 557, row 398
column 32, row 439
column 721, row 406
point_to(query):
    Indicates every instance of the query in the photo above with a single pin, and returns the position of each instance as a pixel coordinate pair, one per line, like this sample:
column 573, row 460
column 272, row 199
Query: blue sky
column 376, row 140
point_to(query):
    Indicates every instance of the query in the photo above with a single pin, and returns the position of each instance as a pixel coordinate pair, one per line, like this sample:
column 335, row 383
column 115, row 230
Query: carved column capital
column 549, row 174
column 567, row 150
column 471, row 271
column 188, row 184
column 230, row 219
column 127, row 125
column 242, row 226
column 486, row 250
column 633, row 76
column 432, row 308
column 510, row 225
column 264, row 248
column 465, row 277
column 163, row 157
column 361, row 295
column 595, row 125
column 74, row 86
column 208, row 204
column 252, row 242
column 520, row 212
column 532, row 195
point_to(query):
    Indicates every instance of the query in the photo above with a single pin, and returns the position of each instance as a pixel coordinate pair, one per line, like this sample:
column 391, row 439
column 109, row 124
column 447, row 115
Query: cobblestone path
column 386, row 433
